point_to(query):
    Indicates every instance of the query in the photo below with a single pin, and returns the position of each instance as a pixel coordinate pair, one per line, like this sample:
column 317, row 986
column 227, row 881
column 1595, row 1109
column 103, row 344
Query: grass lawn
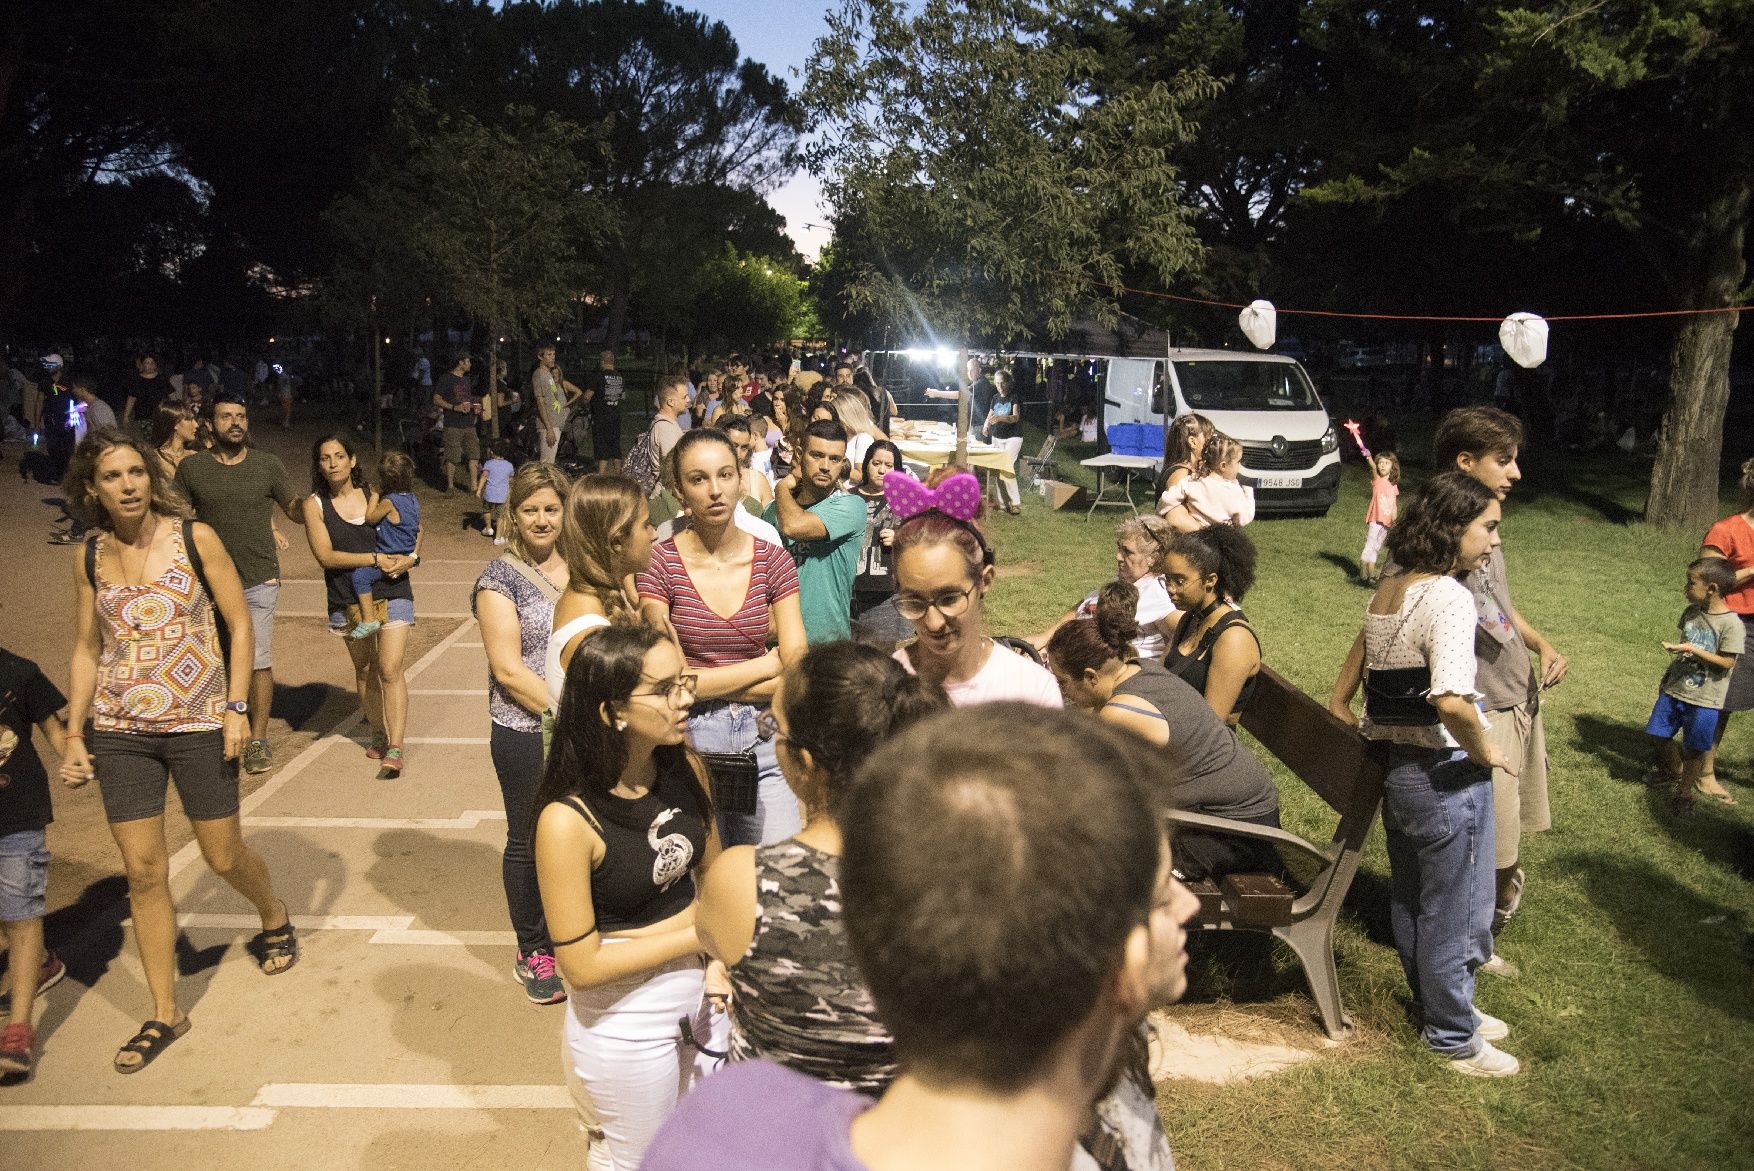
column 1634, row 1016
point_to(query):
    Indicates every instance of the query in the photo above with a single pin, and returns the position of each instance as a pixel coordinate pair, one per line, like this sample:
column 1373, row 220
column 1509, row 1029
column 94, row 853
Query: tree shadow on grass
column 1687, row 938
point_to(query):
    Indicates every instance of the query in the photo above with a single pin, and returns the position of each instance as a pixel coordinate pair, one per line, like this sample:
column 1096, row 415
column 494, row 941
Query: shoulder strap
column 1225, row 621
column 584, row 811
column 528, row 572
column 1138, row 711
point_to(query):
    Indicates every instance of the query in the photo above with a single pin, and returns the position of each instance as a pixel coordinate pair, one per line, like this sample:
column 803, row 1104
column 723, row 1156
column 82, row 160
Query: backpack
column 200, row 576
column 641, row 464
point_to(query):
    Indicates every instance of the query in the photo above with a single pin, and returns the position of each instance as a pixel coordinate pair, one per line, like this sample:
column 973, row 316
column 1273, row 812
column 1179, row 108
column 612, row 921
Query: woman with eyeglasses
column 943, row 570
column 727, row 595
column 1140, row 544
column 771, row 914
column 624, row 823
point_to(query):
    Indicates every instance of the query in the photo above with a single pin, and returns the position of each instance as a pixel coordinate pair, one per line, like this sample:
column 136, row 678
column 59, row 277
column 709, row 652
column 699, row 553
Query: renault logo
column 1280, row 447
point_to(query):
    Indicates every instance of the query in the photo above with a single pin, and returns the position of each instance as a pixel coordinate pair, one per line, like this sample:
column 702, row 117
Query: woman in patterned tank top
column 149, row 670
column 771, row 914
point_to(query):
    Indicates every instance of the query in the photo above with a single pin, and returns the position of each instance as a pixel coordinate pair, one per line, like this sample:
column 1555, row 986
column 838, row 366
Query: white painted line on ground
column 414, row 937
column 302, row 922
column 469, row 819
column 447, row 691
column 444, row 740
column 16, row 1118
column 322, row 1096
column 475, row 644
column 297, row 765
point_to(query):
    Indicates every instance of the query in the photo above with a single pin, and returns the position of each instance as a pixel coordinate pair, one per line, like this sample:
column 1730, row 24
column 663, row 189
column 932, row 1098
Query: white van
column 1290, row 451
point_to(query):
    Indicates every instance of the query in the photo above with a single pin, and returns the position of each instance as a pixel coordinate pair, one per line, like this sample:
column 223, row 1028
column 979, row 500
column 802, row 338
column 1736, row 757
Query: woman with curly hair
column 153, row 586
column 1214, row 648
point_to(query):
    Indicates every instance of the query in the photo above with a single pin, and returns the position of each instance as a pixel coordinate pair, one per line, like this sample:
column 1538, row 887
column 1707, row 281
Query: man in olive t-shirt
column 234, row 488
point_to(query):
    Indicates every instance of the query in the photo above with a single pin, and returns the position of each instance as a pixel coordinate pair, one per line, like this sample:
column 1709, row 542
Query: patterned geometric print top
column 797, row 995
column 535, row 621
column 161, row 669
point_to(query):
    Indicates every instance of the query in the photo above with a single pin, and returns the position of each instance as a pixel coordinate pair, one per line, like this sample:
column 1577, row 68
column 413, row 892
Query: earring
column 621, row 725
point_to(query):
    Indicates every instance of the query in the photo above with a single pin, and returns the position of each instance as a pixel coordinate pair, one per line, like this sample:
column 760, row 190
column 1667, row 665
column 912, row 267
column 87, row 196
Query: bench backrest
column 1327, row 755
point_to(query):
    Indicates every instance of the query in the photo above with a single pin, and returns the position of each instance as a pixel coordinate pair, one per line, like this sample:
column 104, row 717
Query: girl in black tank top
column 623, row 824
column 1206, row 572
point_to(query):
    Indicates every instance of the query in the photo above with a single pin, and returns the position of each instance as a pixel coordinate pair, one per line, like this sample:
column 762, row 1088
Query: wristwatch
column 240, row 706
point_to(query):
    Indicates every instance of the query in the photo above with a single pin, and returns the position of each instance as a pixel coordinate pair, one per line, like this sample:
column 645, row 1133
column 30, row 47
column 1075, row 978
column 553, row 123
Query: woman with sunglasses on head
column 943, row 570
column 150, row 670
column 623, row 824
column 724, row 593
column 1140, row 543
column 605, row 538
column 771, row 914
column 514, row 602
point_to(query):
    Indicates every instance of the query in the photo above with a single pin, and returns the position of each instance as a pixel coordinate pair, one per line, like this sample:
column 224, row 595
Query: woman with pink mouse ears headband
column 943, row 570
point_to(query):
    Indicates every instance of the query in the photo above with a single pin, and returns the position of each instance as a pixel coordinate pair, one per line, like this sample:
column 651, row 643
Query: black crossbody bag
column 1400, row 697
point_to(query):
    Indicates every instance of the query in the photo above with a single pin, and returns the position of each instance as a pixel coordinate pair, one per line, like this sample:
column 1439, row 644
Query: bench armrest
column 1247, row 829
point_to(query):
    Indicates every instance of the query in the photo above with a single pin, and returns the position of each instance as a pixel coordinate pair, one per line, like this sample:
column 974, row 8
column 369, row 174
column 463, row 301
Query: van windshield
column 1245, row 386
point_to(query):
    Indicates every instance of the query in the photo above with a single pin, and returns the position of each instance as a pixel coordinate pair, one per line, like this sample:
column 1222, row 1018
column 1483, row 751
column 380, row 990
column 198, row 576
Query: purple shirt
column 805, row 1125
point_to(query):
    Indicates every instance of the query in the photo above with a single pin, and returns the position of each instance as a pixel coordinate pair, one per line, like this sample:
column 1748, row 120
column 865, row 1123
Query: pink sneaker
column 18, row 1048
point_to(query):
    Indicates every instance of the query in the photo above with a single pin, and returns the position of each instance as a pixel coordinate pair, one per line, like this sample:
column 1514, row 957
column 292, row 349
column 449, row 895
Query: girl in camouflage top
column 771, row 914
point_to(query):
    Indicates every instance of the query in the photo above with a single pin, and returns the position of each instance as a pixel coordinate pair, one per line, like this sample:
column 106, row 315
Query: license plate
column 1281, row 481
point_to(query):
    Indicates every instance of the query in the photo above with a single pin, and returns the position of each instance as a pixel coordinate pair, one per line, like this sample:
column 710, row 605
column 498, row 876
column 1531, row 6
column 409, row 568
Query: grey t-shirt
column 1695, row 681
column 1210, row 770
column 1504, row 672
column 238, row 501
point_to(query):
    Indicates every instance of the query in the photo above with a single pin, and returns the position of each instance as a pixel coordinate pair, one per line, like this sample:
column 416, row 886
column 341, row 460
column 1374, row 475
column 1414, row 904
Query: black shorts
column 606, row 431
column 132, row 768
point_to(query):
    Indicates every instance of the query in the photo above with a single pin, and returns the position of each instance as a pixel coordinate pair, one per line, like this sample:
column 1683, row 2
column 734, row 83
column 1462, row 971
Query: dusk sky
column 779, row 33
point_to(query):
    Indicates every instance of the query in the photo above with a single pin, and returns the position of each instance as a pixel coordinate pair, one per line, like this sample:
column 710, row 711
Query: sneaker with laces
column 1512, row 902
column 1490, row 1027
column 18, row 1048
column 258, row 757
column 1502, row 968
column 380, row 745
column 1488, row 1062
column 536, row 972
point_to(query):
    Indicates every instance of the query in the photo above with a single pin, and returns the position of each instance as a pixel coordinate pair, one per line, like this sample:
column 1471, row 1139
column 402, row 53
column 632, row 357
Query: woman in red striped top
column 728, row 596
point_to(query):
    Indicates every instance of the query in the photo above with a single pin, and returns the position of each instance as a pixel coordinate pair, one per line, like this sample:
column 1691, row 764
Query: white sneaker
column 1489, row 1062
column 1502, row 968
column 1490, row 1027
column 499, row 540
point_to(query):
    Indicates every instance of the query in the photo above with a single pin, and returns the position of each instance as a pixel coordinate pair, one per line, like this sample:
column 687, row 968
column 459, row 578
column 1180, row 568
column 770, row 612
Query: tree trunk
column 617, row 323
column 1684, row 483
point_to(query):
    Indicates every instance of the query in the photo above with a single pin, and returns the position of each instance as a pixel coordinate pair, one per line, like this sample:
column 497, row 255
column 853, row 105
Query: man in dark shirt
column 604, row 390
column 145, row 393
column 235, row 488
column 455, row 396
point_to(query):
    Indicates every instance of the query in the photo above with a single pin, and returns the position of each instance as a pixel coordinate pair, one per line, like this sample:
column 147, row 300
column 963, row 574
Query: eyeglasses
column 679, row 692
column 949, row 603
column 768, row 726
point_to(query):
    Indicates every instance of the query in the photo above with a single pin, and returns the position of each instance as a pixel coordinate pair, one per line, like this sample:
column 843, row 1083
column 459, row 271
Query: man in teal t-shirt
column 823, row 528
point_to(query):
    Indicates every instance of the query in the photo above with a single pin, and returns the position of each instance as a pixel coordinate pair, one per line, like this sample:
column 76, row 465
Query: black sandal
column 153, row 1038
column 280, row 943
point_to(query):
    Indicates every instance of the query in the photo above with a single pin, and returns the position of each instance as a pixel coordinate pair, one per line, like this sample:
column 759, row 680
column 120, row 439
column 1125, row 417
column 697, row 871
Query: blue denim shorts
column 24, row 875
column 388, row 611
column 1697, row 725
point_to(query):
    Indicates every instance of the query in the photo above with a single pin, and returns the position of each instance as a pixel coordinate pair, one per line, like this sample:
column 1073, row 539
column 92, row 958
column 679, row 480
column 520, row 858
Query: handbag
column 735, row 777
column 1398, row 697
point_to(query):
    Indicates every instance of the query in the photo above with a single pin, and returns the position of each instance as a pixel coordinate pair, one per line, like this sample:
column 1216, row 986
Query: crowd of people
column 778, row 797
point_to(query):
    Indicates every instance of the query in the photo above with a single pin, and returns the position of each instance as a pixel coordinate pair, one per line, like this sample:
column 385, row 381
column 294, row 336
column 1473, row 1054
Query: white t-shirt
column 1006, row 675
column 857, row 446
column 1154, row 607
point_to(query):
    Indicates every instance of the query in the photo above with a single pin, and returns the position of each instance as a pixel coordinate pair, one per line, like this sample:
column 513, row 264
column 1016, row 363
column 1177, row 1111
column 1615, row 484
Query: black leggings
column 1198, row 854
column 517, row 759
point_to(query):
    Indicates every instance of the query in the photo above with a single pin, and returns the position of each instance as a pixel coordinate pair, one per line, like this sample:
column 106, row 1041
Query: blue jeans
column 1437, row 809
column 718, row 725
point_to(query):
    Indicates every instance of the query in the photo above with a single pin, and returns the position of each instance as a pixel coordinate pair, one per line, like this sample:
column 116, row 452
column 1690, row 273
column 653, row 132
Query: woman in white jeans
column 624, row 822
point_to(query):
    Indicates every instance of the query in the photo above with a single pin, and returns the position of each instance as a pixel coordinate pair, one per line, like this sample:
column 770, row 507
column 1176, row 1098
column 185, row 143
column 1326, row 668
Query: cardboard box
column 1060, row 494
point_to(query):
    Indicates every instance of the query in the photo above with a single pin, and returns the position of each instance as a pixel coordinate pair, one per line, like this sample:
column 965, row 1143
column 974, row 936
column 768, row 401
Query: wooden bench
column 1339, row 764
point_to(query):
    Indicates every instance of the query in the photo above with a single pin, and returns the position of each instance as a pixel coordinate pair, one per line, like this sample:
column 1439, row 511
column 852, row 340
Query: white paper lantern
column 1260, row 323
column 1524, row 338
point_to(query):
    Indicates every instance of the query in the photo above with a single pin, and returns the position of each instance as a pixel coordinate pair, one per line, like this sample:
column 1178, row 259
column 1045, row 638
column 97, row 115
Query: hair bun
column 1117, row 616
